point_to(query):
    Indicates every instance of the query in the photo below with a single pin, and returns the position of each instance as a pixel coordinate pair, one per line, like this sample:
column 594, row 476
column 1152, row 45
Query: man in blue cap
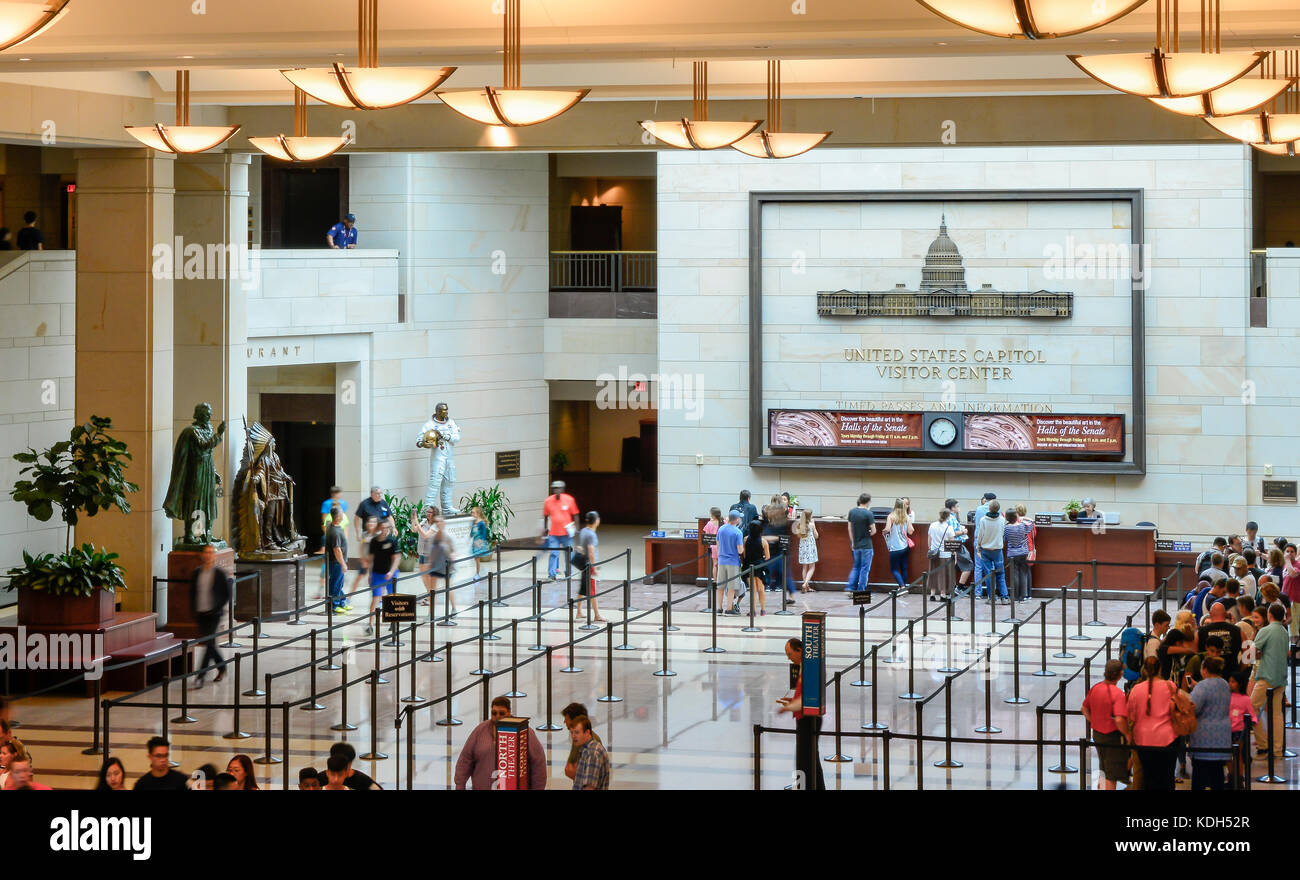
column 343, row 235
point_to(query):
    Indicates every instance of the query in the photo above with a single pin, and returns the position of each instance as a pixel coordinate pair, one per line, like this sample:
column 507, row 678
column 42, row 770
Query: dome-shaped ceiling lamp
column 1030, row 19
column 1239, row 96
column 182, row 137
column 700, row 132
column 1275, row 128
column 367, row 86
column 1166, row 71
column 774, row 143
column 298, row 148
column 20, row 20
column 512, row 105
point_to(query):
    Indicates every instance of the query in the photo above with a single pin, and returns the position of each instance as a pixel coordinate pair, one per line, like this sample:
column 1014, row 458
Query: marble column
column 124, row 346
column 214, row 271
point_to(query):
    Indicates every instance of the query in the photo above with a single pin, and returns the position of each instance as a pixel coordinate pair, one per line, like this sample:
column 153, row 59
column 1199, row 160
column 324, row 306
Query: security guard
column 343, row 235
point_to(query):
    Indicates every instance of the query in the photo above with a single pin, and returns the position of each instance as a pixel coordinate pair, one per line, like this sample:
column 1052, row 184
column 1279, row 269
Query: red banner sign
column 845, row 429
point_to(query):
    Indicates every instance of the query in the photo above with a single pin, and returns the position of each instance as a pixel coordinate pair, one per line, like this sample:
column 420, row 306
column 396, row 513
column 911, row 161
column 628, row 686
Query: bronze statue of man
column 192, row 492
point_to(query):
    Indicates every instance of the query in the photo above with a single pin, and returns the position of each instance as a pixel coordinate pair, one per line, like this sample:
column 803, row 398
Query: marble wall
column 37, row 334
column 1208, row 439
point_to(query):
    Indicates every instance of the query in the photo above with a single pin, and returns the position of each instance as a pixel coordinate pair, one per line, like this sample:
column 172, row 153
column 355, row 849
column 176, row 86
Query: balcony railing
column 603, row 284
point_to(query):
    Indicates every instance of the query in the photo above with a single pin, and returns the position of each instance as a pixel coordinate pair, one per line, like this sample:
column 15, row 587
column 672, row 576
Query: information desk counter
column 1125, row 556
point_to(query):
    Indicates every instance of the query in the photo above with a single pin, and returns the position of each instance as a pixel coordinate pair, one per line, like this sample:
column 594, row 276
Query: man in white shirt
column 988, row 543
column 210, row 590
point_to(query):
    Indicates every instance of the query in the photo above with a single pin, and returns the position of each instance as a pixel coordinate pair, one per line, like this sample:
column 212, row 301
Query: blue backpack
column 1131, row 644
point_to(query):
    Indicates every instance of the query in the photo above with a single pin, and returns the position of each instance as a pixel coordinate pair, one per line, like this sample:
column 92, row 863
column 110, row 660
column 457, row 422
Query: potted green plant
column 408, row 539
column 1072, row 509
column 497, row 512
column 80, row 475
column 559, row 461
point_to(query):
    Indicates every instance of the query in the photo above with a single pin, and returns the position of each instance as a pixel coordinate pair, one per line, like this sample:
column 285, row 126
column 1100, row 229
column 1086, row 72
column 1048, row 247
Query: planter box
column 36, row 608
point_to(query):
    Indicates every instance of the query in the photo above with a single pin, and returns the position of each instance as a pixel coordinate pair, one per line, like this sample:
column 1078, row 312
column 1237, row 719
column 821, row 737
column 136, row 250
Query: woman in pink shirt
column 711, row 528
column 1150, row 705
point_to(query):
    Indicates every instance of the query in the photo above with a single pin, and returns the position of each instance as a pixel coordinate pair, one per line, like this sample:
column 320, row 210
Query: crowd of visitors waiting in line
column 1201, row 683
column 587, row 765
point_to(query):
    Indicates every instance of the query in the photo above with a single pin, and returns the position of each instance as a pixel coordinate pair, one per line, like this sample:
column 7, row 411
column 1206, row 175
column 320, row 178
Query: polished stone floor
column 691, row 730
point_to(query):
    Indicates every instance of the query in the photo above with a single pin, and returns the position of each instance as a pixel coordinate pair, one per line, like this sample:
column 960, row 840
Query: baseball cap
column 351, row 218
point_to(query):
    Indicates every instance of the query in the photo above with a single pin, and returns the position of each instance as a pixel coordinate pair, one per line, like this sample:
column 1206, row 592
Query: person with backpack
column 1219, row 546
column 748, row 512
column 1159, row 713
column 1135, row 647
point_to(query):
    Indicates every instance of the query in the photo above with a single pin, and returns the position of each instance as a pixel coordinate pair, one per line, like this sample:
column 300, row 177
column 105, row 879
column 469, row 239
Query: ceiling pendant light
column 1167, row 72
column 367, row 86
column 182, row 137
column 1238, row 96
column 1029, row 19
column 774, row 143
column 700, row 132
column 1287, row 149
column 1279, row 123
column 512, row 105
column 20, row 21
column 299, row 147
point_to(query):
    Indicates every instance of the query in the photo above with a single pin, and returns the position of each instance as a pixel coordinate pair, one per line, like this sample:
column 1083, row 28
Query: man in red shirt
column 807, row 755
column 558, row 514
column 1106, row 709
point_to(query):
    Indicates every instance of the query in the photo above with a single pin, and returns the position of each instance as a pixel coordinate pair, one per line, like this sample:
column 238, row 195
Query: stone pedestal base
column 283, row 588
column 174, row 596
column 458, row 531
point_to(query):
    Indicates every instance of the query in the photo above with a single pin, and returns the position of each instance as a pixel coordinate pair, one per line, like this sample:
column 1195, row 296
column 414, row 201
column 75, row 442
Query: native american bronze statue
column 262, row 514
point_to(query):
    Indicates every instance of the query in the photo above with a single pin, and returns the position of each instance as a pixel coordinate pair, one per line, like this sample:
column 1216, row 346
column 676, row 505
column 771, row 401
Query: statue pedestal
column 458, row 531
column 175, row 594
column 284, row 583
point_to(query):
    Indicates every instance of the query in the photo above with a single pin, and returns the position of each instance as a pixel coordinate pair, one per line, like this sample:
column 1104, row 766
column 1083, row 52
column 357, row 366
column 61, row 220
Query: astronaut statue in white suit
column 440, row 435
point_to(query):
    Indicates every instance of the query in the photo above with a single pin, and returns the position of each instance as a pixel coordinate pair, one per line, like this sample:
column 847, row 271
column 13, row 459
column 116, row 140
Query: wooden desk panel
column 1062, row 550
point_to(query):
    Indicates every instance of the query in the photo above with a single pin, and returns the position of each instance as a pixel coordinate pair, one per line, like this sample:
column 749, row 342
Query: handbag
column 1182, row 714
column 578, row 560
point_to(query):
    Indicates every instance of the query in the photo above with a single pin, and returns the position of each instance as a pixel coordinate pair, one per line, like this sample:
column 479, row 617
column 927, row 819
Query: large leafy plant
column 80, row 475
column 408, row 539
column 497, row 512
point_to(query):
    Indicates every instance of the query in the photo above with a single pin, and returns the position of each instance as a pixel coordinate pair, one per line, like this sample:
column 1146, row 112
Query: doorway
column 303, row 426
column 299, row 204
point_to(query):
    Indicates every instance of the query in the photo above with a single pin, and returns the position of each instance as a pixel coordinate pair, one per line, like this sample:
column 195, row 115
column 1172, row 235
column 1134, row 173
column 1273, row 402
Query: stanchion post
column 549, row 724
column 1064, row 653
column 571, row 668
column 94, row 742
column 988, row 726
column 947, row 762
column 235, row 732
column 1062, row 767
column 839, row 757
column 343, row 700
column 1271, row 777
column 1096, row 618
column 1044, row 672
column 450, row 720
column 666, row 609
column 514, row 693
column 862, row 648
column 609, row 697
column 374, row 754
column 874, row 724
column 911, row 666
column 268, row 757
column 184, row 717
column 1015, row 697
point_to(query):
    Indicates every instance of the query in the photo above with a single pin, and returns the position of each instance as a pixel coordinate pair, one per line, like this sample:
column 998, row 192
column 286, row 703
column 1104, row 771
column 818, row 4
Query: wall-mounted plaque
column 1279, row 490
column 507, row 464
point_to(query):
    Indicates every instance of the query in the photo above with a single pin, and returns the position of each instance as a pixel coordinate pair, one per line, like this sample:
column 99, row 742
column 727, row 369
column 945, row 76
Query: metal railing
column 604, row 271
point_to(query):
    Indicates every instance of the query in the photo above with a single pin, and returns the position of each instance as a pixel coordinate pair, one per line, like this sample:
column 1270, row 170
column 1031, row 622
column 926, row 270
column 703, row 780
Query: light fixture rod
column 182, row 97
column 299, row 112
column 367, row 33
column 511, row 43
column 700, row 91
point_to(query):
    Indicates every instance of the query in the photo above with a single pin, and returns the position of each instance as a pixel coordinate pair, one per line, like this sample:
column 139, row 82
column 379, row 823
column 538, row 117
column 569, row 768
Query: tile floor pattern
column 692, row 730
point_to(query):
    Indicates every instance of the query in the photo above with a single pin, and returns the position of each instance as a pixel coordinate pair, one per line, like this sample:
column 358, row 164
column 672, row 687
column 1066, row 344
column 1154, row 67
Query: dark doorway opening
column 307, row 452
column 596, row 227
column 299, row 204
